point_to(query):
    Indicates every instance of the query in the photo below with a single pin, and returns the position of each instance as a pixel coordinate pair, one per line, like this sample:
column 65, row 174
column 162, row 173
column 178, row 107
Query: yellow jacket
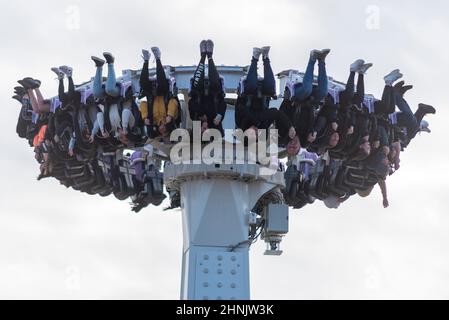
column 159, row 110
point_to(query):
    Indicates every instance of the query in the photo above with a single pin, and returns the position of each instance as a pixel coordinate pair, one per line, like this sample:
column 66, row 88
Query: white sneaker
column 363, row 69
column 265, row 51
column 66, row 70
column 314, row 54
column 256, row 53
column 156, row 53
column 323, row 54
column 356, row 65
column 146, row 55
column 392, row 77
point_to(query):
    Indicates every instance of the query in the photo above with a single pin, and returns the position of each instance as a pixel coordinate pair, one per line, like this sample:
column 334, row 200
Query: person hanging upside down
column 252, row 107
column 161, row 109
column 207, row 96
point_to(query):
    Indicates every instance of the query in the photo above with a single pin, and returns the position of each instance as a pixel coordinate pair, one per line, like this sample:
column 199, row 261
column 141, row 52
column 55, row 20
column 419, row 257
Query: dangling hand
column 91, row 139
column 168, row 119
column 147, row 122
column 385, row 203
column 292, row 133
column 218, row 119
column 334, row 126
column 350, row 130
column 312, row 137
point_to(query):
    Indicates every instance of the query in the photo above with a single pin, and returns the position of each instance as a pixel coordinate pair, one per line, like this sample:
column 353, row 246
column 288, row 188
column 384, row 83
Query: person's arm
column 126, row 116
column 72, row 144
column 383, row 189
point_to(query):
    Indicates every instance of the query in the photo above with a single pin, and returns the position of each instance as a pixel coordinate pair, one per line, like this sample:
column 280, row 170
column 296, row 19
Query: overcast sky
column 58, row 243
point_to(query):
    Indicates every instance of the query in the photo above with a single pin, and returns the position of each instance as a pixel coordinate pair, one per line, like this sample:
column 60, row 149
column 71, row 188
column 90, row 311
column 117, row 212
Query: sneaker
column 209, row 47
column 18, row 98
column 256, row 53
column 20, row 91
column 363, row 69
column 146, row 55
column 425, row 108
column 156, row 53
column 424, row 127
column 109, row 57
column 265, row 51
column 356, row 65
column 399, row 85
column 314, row 54
column 203, row 47
column 35, row 81
column 66, row 70
column 98, row 62
column 58, row 72
column 22, row 84
column 404, row 89
column 29, row 83
column 323, row 54
column 392, row 77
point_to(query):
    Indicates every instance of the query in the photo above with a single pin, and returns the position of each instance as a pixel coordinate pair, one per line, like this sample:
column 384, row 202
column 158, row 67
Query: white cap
column 424, row 126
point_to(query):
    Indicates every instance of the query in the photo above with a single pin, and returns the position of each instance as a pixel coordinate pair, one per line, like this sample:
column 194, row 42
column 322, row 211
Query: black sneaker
column 426, row 109
column 399, row 85
column 404, row 89
column 35, row 81
column 18, row 98
column 109, row 57
column 20, row 91
column 98, row 62
column 28, row 84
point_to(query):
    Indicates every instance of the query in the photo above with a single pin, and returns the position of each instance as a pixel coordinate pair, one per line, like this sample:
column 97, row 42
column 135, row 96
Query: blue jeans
column 268, row 84
column 98, row 90
column 406, row 117
column 321, row 92
column 306, row 89
column 112, row 88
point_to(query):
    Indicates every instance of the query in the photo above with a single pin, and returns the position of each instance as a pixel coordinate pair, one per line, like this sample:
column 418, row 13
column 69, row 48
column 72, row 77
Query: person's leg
column 359, row 96
column 71, row 87
column 251, row 78
column 320, row 93
column 33, row 100
column 269, row 83
column 198, row 76
column 407, row 114
column 98, row 81
column 111, row 82
column 61, row 92
column 44, row 106
column 347, row 95
column 162, row 82
column 215, row 86
column 305, row 90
